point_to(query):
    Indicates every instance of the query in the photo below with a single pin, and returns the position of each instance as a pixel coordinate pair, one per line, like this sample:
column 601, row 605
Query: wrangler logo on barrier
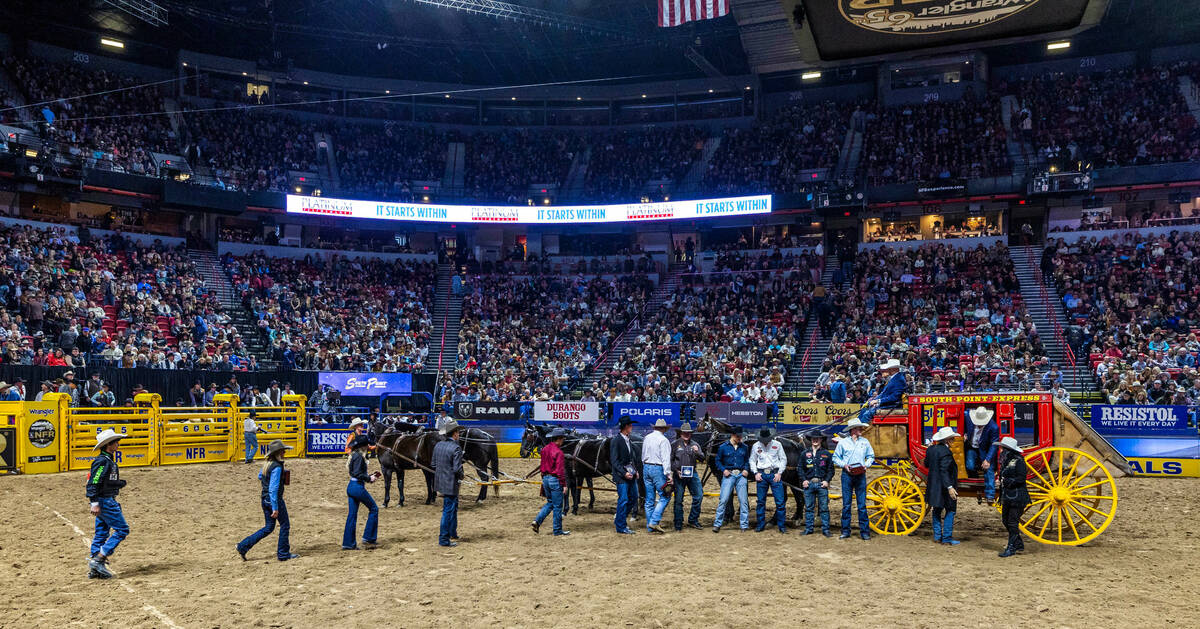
column 905, row 17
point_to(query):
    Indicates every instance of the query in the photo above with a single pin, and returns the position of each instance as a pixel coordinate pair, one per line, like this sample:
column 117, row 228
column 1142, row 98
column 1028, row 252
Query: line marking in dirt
column 166, row 620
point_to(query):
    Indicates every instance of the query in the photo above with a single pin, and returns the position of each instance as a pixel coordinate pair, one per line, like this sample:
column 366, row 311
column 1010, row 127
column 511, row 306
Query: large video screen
column 863, row 28
column 543, row 215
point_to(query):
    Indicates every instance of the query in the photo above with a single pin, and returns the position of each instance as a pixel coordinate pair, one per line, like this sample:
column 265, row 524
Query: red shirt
column 554, row 463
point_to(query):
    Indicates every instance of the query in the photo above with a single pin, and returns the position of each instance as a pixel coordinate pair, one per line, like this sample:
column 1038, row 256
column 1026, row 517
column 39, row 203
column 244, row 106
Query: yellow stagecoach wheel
column 895, row 505
column 1074, row 497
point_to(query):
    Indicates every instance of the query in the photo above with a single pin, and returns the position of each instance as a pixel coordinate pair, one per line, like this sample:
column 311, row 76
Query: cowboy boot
column 948, row 530
column 1008, row 551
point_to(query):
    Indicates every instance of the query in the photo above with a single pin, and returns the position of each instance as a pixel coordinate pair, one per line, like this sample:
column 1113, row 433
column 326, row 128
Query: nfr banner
column 487, row 410
column 327, row 438
column 734, row 412
column 1145, row 421
column 566, row 411
column 646, row 413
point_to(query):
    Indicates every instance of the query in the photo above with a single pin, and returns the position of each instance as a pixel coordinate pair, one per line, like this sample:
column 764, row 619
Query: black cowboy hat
column 735, row 430
column 556, row 433
column 625, row 421
column 359, row 441
column 765, row 433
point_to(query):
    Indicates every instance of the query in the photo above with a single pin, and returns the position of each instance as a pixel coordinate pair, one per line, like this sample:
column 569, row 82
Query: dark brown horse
column 400, row 451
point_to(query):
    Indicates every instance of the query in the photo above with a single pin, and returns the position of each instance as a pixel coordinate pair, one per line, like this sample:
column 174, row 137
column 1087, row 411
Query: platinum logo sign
column 925, row 17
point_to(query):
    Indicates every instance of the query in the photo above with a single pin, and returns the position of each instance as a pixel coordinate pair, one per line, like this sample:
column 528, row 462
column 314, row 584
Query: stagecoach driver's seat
column 892, row 395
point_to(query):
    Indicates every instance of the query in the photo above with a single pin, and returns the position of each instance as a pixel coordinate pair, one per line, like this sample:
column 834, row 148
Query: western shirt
column 554, row 463
column 767, row 457
column 249, row 425
column 852, row 451
column 656, row 450
column 731, row 457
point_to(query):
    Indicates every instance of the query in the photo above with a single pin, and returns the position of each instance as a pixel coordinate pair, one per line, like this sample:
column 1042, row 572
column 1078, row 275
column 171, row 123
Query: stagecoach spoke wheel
column 895, row 505
column 1074, row 497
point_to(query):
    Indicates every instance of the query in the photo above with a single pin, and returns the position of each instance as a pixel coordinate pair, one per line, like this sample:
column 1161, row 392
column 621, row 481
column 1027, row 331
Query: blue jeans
column 974, row 460
column 730, row 484
column 772, row 482
column 653, row 481
column 693, row 487
column 449, row 526
column 857, row 485
column 816, row 496
column 552, row 487
column 285, row 526
column 626, row 494
column 251, row 445
column 109, row 519
column 357, row 493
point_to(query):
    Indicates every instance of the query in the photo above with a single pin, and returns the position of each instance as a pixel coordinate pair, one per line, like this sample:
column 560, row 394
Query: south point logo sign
column 927, row 17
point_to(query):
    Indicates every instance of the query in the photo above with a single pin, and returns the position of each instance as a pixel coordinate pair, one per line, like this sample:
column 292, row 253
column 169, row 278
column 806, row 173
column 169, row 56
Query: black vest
column 266, row 482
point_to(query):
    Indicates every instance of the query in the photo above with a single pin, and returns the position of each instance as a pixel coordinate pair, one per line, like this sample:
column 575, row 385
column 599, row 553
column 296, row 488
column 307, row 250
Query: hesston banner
column 734, row 412
column 566, row 411
column 817, row 414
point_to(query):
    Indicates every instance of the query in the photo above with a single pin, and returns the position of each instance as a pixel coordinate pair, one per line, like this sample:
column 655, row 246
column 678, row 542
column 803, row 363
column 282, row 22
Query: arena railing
column 1052, row 313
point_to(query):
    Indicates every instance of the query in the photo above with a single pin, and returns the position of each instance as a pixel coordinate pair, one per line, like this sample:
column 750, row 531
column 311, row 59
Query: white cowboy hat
column 981, row 416
column 107, row 436
column 661, row 423
column 890, row 364
column 357, row 421
column 1011, row 444
column 945, row 432
column 856, row 423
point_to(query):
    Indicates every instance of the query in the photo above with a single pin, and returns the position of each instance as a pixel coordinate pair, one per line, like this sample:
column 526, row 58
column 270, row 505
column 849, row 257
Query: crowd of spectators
column 953, row 317
column 336, row 313
column 251, row 149
column 771, row 154
column 533, row 337
column 501, row 165
column 1114, row 118
column 1131, row 307
column 622, row 163
column 934, row 141
column 381, row 161
column 94, row 114
column 723, row 336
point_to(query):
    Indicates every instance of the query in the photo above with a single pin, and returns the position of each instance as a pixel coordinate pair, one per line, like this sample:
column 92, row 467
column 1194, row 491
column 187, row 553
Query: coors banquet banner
column 485, row 411
column 861, row 28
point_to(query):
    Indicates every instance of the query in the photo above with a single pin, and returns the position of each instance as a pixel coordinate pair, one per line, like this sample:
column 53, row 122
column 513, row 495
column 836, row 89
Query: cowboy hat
column 106, row 436
column 735, row 430
column 556, row 433
column 276, row 446
column 359, row 441
column 890, row 364
column 4, row 385
column 684, row 427
column 661, row 423
column 357, row 421
column 625, row 421
column 945, row 432
column 856, row 423
column 765, row 434
column 449, row 427
column 981, row 416
column 1011, row 444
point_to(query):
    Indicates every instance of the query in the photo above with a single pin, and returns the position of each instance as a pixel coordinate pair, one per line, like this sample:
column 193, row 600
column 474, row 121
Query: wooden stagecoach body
column 1071, row 466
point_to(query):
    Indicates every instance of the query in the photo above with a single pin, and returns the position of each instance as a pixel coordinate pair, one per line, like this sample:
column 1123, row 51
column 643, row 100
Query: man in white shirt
column 767, row 463
column 656, row 479
column 250, row 430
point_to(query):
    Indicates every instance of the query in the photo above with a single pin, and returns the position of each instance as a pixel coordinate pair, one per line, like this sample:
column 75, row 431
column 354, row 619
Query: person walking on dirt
column 656, row 479
column 103, row 484
column 356, row 492
column 1014, row 493
column 447, row 475
column 554, row 481
column 273, row 479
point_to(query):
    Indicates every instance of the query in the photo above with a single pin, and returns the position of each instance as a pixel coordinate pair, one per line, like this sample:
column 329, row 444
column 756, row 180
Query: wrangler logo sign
column 925, row 17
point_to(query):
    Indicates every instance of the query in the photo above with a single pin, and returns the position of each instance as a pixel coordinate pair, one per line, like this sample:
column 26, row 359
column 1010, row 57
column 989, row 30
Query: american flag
column 676, row 12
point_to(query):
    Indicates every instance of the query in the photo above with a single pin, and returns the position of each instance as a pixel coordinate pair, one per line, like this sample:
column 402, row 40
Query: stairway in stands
column 693, row 180
column 666, row 288
column 210, row 269
column 1191, row 94
column 1016, row 147
column 447, row 321
column 573, row 187
column 1044, row 305
column 806, row 364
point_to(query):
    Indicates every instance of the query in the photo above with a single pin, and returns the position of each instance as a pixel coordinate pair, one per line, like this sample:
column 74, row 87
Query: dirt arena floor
column 178, row 568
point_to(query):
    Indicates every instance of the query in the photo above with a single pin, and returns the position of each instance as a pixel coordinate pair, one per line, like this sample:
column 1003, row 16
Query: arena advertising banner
column 861, row 28
column 1145, row 421
column 816, row 413
column 487, row 411
column 566, row 411
column 327, row 438
column 529, row 214
column 8, row 449
column 372, row 384
column 38, row 437
column 646, row 413
column 734, row 412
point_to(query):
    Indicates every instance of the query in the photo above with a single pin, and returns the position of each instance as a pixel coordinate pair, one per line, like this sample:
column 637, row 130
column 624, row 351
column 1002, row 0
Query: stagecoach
column 1071, row 466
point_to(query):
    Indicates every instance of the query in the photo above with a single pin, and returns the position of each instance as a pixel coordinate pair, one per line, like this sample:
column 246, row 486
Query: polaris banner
column 646, row 413
column 734, row 412
column 1144, row 421
column 327, row 438
column 487, row 410
column 566, row 411
column 372, row 384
